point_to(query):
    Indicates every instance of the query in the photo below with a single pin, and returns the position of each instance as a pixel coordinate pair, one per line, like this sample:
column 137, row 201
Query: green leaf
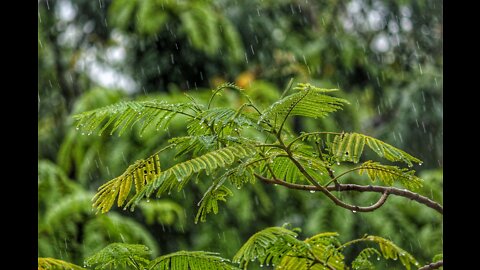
column 267, row 246
column 209, row 202
column 362, row 261
column 125, row 114
column 320, row 252
column 349, row 147
column 191, row 260
column 56, row 264
column 140, row 173
column 390, row 174
column 391, row 251
column 309, row 101
column 119, row 255
column 179, row 174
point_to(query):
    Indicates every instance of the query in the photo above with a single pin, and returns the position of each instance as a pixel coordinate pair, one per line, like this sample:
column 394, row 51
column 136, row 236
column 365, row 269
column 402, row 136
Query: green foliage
column 309, row 101
column 190, row 260
column 279, row 247
column 320, row 253
column 362, row 261
column 216, row 141
column 209, row 202
column 349, row 147
column 236, row 145
column 267, row 246
column 396, row 96
column 53, row 184
column 56, row 264
column 120, row 255
column 391, row 251
column 140, row 173
column 120, row 116
column 437, row 257
column 206, row 28
column 67, row 212
column 389, row 174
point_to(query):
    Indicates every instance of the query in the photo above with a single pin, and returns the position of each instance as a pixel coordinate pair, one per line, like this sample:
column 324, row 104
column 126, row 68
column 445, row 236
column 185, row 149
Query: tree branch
column 434, row 265
column 353, row 187
column 337, row 201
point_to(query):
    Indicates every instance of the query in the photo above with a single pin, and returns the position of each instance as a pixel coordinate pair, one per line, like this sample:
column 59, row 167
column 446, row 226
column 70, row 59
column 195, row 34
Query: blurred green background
column 386, row 57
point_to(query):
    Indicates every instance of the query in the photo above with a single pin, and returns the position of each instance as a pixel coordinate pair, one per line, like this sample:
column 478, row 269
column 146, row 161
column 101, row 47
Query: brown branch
column 353, row 187
column 337, row 201
column 434, row 265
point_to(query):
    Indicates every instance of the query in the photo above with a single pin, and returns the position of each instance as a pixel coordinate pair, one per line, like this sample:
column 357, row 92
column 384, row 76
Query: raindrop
column 353, row 211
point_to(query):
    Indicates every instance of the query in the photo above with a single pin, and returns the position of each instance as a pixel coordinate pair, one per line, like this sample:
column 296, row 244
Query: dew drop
column 312, row 191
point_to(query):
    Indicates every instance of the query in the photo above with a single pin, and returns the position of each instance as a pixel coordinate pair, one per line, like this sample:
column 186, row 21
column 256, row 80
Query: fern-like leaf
column 322, row 252
column 179, row 174
column 391, row 251
column 243, row 173
column 362, row 261
column 125, row 114
column 191, row 260
column 209, row 202
column 349, row 147
column 389, row 174
column 118, row 255
column 194, row 144
column 56, row 264
column 267, row 246
column 140, row 173
column 309, row 101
